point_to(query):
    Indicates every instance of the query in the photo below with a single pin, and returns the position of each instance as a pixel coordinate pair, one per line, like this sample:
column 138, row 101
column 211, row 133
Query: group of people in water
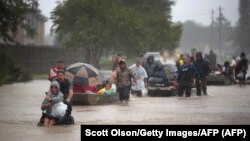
column 235, row 70
column 191, row 71
column 56, row 105
column 199, row 68
column 139, row 75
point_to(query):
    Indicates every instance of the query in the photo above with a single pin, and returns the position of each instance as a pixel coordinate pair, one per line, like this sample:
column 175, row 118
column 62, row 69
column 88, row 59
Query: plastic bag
column 59, row 110
column 240, row 75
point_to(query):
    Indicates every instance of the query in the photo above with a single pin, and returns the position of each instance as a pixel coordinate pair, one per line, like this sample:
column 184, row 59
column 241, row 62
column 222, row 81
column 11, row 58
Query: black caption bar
column 173, row 132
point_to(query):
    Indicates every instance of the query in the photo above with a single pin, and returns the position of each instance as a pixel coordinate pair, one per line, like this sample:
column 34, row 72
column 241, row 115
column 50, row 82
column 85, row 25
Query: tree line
column 130, row 26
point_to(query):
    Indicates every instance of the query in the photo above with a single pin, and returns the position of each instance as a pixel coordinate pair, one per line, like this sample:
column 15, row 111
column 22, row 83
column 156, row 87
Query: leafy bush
column 11, row 71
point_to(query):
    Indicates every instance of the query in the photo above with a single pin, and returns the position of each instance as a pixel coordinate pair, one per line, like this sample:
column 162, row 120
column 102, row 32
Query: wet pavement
column 20, row 111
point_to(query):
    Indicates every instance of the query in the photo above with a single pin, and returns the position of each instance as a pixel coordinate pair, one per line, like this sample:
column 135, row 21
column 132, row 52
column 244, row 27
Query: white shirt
column 140, row 75
column 233, row 63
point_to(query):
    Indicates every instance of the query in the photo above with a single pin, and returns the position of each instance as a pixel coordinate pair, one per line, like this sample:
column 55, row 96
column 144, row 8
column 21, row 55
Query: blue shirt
column 187, row 73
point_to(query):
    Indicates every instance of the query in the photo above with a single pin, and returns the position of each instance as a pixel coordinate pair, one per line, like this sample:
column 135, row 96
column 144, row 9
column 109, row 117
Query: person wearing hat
column 124, row 78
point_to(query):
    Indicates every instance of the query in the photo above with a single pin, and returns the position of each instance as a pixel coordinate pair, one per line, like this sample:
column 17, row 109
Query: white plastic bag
column 240, row 75
column 59, row 110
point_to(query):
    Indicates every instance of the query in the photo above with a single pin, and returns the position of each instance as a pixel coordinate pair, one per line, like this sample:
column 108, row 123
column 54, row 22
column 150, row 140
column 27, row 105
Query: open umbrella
column 83, row 74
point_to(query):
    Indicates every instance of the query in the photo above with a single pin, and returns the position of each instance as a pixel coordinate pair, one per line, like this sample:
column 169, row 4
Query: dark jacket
column 151, row 68
column 160, row 73
column 65, row 86
column 243, row 65
column 203, row 67
column 187, row 73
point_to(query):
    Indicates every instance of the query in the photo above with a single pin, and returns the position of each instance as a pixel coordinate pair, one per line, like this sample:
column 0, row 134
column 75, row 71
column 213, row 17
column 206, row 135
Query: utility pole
column 212, row 28
column 220, row 19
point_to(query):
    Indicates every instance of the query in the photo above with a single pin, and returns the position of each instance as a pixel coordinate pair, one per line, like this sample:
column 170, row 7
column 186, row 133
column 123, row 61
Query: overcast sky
column 197, row 10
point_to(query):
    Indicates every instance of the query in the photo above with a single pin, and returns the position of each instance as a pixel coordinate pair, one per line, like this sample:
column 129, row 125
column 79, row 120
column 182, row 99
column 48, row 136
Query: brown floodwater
column 20, row 111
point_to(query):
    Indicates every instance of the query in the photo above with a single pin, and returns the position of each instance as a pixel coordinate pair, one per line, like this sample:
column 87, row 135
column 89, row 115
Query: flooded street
column 20, row 111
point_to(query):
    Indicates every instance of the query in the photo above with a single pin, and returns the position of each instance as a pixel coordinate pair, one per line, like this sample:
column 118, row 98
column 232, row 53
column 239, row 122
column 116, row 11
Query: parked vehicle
column 157, row 56
column 157, row 86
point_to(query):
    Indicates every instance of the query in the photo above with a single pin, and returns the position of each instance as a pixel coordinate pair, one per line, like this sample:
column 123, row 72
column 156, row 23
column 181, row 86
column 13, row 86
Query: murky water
column 20, row 111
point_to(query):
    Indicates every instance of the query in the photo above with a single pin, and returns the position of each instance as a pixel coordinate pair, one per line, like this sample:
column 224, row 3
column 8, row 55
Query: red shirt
column 53, row 73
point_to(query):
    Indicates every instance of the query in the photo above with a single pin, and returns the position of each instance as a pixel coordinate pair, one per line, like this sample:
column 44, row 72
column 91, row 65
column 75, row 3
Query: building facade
column 36, row 23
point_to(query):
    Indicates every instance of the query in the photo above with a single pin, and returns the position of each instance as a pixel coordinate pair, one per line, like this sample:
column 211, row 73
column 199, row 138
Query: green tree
column 243, row 28
column 132, row 26
column 11, row 71
column 12, row 15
